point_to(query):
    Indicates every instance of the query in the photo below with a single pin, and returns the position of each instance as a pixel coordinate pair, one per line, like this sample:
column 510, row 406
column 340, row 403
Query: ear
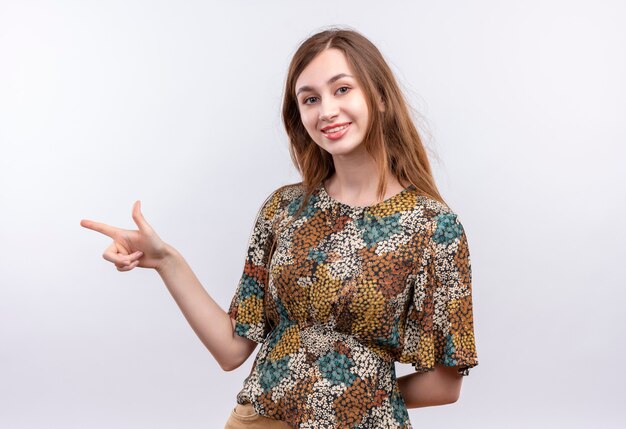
column 381, row 104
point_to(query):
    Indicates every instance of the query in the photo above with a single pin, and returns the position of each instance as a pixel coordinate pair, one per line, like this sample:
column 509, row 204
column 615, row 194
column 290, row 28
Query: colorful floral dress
column 340, row 293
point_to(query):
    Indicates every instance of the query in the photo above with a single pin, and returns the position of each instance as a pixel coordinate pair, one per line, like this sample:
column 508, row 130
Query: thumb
column 140, row 221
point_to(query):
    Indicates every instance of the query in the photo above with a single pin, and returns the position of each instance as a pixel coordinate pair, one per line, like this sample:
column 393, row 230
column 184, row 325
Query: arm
column 438, row 387
column 209, row 321
column 441, row 319
column 144, row 248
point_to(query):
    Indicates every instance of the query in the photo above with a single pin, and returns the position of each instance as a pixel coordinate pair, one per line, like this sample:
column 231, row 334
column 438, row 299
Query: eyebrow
column 331, row 80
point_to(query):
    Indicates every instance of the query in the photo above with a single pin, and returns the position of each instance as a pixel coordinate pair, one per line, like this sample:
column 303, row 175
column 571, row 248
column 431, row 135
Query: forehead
column 325, row 65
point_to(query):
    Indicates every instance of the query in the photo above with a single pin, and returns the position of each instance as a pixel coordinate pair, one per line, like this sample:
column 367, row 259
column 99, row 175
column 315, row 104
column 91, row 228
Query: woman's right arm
column 210, row 322
column 144, row 248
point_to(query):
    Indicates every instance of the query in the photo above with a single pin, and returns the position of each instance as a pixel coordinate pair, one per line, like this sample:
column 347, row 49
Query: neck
column 355, row 181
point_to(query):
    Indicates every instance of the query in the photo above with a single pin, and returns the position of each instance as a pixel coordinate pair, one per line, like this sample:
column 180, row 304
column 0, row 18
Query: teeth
column 334, row 130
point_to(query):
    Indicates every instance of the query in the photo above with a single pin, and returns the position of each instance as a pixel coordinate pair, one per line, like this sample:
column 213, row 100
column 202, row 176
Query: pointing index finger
column 102, row 228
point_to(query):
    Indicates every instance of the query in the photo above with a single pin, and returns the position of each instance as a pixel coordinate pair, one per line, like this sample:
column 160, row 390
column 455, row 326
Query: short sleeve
column 439, row 324
column 247, row 306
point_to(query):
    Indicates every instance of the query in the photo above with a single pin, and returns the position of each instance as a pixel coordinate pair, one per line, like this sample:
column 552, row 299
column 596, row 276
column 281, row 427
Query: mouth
column 335, row 130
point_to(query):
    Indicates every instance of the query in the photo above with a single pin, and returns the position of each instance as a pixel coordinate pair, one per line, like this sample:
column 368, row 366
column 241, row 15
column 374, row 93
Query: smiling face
column 332, row 105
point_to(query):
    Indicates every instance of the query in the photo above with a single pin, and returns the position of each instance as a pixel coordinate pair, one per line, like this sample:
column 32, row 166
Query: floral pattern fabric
column 340, row 293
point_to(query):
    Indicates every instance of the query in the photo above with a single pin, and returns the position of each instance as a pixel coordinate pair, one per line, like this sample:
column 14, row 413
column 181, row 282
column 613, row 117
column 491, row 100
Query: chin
column 342, row 151
column 341, row 148
column 338, row 147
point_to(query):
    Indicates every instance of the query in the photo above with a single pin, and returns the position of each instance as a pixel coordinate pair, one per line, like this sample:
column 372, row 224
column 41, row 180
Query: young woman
column 359, row 265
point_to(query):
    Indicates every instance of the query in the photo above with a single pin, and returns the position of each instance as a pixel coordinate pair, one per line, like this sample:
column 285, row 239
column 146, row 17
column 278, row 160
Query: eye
column 343, row 87
column 306, row 100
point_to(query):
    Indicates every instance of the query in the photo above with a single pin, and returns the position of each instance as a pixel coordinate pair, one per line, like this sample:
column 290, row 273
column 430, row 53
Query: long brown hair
column 391, row 137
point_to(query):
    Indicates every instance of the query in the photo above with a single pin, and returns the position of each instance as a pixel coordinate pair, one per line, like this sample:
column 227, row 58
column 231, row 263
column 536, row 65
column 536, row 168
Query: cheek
column 359, row 109
column 308, row 120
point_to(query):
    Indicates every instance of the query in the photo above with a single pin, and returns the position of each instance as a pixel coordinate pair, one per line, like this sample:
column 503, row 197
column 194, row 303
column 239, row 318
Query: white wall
column 178, row 104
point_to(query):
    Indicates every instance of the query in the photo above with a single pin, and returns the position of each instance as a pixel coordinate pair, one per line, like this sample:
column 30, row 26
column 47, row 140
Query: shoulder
column 442, row 223
column 285, row 193
column 280, row 198
column 429, row 208
column 290, row 191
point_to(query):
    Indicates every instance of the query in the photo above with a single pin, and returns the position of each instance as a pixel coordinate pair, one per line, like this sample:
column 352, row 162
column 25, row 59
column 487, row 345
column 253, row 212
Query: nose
column 328, row 110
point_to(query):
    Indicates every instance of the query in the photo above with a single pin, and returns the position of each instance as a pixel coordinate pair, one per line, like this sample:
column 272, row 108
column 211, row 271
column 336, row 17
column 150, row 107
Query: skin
column 354, row 183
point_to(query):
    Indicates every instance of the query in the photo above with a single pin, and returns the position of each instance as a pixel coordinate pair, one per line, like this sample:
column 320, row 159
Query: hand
column 132, row 248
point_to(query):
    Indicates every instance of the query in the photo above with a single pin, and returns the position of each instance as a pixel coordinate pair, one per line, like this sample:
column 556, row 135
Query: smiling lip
column 335, row 135
column 328, row 127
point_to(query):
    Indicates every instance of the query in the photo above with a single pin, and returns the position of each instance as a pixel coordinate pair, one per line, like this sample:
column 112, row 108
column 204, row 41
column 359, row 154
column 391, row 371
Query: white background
column 178, row 104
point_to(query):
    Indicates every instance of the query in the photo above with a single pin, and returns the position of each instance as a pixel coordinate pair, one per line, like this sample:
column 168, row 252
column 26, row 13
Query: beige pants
column 245, row 417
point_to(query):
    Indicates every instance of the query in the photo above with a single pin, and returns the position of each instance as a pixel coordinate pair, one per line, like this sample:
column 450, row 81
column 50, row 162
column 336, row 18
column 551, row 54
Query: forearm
column 439, row 387
column 208, row 320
